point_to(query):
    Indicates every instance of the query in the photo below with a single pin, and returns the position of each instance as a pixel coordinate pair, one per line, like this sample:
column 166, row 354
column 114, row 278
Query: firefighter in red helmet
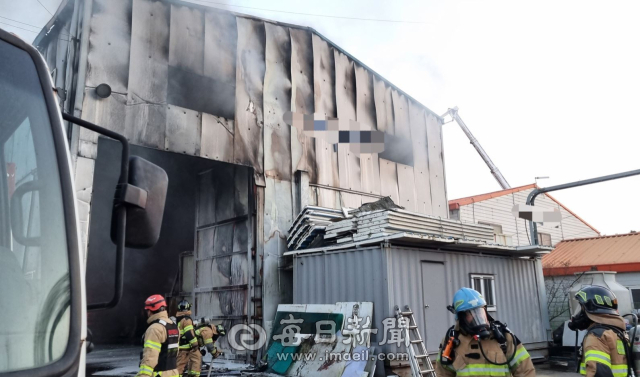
column 160, row 350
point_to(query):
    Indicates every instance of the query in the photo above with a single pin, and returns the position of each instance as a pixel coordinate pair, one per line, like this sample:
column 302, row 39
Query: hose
column 509, row 360
column 577, row 354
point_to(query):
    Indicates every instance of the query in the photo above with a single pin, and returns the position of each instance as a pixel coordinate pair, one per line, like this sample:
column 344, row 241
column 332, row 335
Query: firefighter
column 160, row 349
column 606, row 344
column 478, row 345
column 188, row 350
column 207, row 334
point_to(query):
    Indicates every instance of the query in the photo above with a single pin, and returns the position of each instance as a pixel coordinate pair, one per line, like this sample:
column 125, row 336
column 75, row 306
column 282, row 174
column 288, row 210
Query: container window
column 485, row 284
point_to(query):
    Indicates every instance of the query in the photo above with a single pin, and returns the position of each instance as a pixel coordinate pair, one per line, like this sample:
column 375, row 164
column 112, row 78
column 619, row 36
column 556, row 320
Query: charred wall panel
column 384, row 106
column 436, row 166
column 183, row 130
column 325, row 103
column 303, row 149
column 277, row 101
column 186, row 39
column 421, row 159
column 278, row 212
column 220, row 46
column 248, row 142
column 348, row 162
column 389, row 180
column 149, row 53
column 109, row 45
column 148, row 73
column 406, row 187
column 217, row 138
column 366, row 117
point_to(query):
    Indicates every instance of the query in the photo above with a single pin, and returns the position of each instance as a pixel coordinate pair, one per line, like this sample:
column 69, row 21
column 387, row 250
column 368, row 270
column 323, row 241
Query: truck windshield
column 34, row 260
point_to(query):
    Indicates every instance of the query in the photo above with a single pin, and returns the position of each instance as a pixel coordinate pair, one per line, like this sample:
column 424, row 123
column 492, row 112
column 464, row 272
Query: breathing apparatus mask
column 475, row 322
column 579, row 320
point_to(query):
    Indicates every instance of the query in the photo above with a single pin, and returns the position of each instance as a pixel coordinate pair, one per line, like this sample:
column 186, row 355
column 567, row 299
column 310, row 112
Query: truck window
column 34, row 258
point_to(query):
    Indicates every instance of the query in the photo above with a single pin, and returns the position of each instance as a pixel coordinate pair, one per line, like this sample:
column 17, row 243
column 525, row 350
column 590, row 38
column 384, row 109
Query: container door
column 435, row 303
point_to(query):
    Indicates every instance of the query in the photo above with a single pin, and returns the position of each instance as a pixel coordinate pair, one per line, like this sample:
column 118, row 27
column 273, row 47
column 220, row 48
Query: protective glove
column 203, row 352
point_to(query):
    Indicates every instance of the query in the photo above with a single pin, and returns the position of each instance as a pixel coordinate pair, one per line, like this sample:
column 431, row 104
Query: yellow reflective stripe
column 620, row 347
column 152, row 344
column 520, row 355
column 146, row 370
column 619, row 370
column 484, row 370
column 207, row 341
column 188, row 328
column 599, row 353
column 194, row 373
column 194, row 340
column 185, row 347
column 583, row 369
column 598, row 357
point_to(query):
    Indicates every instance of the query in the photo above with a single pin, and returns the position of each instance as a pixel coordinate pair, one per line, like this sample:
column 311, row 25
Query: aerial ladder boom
column 492, row 167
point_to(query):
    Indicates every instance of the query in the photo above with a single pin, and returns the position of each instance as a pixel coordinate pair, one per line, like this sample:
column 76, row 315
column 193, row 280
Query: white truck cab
column 42, row 274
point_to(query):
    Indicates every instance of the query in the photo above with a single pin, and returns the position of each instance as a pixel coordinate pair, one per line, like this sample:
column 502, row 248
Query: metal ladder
column 418, row 356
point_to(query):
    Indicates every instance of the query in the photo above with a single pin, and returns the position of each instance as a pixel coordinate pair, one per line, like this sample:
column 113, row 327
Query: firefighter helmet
column 155, row 303
column 469, row 307
column 221, row 330
column 205, row 321
column 184, row 305
column 597, row 300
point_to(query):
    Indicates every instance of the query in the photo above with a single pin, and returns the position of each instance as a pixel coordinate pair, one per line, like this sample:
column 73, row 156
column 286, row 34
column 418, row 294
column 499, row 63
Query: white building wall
column 498, row 211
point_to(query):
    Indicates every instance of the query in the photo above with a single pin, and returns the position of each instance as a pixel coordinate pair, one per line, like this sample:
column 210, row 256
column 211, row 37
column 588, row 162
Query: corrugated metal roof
column 456, row 203
column 619, row 253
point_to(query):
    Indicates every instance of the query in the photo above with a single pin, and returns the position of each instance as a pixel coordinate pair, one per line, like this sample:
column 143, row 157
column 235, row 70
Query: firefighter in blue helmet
column 478, row 345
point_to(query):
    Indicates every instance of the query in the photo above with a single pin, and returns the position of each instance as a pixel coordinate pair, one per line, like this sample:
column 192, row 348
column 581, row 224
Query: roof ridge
column 601, row 237
column 493, row 194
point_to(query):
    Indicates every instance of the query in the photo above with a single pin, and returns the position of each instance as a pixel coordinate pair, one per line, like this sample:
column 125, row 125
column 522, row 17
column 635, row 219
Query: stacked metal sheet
column 333, row 228
column 340, row 231
column 386, row 222
column 310, row 223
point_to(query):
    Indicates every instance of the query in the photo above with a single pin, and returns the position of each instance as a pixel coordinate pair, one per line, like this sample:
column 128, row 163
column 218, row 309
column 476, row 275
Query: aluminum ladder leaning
column 418, row 356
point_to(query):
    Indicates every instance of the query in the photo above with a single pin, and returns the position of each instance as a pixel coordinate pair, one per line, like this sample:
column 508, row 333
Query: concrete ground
column 546, row 370
column 123, row 361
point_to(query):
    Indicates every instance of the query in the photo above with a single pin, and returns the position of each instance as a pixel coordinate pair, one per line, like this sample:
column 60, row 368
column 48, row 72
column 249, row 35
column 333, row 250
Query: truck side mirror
column 144, row 196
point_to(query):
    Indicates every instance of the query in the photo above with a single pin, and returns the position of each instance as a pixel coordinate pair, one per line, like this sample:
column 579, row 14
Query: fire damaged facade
column 203, row 93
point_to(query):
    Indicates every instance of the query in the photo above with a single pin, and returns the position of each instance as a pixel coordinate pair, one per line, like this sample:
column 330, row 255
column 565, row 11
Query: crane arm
column 492, row 167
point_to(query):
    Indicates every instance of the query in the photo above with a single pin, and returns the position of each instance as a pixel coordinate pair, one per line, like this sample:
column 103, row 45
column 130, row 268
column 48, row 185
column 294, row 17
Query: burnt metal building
column 202, row 93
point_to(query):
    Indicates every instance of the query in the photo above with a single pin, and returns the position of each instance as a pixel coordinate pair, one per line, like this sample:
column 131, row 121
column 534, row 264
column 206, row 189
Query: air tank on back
column 604, row 279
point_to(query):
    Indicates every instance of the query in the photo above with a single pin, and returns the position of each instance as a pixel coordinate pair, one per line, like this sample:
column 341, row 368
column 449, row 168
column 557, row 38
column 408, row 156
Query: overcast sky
column 549, row 88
